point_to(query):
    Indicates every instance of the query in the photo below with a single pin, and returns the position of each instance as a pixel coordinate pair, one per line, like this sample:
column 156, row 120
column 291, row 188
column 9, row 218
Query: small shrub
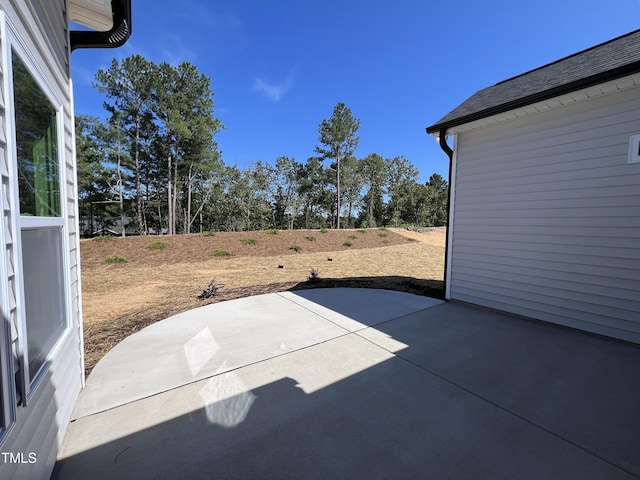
column 273, row 231
column 207, row 233
column 351, row 237
column 116, row 259
column 382, row 228
column 249, row 241
column 314, row 276
column 157, row 245
column 311, row 238
column 323, row 230
column 211, row 290
column 412, row 239
column 347, row 244
column 296, row 248
column 382, row 235
column 219, row 252
column 385, row 241
column 362, row 230
column 103, row 238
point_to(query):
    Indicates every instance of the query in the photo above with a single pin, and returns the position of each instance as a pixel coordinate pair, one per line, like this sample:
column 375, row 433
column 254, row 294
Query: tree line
column 153, row 166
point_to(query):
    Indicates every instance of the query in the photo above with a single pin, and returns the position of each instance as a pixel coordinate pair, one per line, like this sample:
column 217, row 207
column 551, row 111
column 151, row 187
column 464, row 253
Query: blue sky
column 279, row 67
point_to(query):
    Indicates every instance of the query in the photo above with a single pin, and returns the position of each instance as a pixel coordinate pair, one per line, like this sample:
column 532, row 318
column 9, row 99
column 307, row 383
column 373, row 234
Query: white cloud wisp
column 273, row 91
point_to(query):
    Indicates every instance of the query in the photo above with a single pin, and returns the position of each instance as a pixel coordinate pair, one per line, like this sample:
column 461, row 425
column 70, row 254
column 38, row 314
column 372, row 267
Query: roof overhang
column 532, row 108
column 109, row 19
column 520, row 103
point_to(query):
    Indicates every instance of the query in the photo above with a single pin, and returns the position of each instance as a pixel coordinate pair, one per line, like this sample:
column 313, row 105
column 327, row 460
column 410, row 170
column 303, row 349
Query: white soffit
column 623, row 83
column 96, row 14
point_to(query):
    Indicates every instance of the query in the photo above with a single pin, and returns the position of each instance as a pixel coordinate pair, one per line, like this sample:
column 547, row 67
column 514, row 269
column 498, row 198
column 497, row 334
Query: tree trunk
column 198, row 212
column 306, row 216
column 142, row 230
column 175, row 192
column 185, row 221
column 397, row 212
column 120, row 191
column 338, row 190
column 170, row 219
column 189, row 221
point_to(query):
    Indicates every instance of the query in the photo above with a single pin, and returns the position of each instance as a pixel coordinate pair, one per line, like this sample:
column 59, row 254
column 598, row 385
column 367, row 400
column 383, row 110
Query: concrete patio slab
column 582, row 387
column 356, row 308
column 444, row 391
column 342, row 409
column 221, row 337
column 200, row 343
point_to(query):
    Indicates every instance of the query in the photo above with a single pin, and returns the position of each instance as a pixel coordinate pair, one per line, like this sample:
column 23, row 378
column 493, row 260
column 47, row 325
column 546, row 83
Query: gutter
column 116, row 37
column 442, row 140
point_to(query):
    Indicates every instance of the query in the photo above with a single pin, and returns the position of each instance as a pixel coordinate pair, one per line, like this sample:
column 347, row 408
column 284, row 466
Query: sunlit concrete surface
column 224, row 336
column 356, row 383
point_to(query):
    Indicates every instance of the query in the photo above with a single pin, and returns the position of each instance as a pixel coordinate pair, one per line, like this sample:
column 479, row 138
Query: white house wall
column 40, row 427
column 547, row 216
column 53, row 20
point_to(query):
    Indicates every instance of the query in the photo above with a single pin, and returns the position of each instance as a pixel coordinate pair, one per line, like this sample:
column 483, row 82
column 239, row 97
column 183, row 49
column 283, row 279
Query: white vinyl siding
column 547, row 216
column 53, row 21
column 40, row 427
column 40, row 30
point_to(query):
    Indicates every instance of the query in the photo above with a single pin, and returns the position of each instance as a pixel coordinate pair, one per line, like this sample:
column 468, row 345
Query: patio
column 357, row 383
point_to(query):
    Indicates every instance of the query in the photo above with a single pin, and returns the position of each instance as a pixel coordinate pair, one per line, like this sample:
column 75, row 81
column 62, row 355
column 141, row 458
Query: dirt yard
column 155, row 283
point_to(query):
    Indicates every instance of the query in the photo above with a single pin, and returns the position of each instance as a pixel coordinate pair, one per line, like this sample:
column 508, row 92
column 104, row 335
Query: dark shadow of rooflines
column 472, row 394
column 417, row 286
column 393, row 420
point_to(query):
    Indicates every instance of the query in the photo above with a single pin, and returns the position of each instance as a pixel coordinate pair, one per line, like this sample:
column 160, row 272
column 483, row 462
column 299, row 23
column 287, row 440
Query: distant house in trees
column 545, row 192
column 41, row 360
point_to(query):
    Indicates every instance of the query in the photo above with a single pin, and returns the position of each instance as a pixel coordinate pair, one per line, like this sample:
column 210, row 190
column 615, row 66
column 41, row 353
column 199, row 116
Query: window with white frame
column 41, row 222
column 34, row 197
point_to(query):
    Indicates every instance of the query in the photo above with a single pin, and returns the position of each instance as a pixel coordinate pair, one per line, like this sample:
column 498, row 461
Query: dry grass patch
column 155, row 284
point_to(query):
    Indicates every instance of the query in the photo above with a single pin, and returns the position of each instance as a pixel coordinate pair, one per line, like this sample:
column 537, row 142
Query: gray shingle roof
column 607, row 61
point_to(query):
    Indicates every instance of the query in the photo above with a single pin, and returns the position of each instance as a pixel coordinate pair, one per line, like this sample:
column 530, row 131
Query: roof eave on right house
column 538, row 97
column 611, row 60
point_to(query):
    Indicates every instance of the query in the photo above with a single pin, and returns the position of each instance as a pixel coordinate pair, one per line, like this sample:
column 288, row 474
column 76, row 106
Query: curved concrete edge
column 358, row 308
column 221, row 337
column 472, row 393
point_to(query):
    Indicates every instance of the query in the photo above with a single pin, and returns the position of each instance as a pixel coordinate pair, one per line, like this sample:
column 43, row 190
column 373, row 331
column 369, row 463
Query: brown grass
column 120, row 299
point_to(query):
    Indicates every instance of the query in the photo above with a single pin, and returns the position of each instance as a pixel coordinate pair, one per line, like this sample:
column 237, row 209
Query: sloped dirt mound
column 156, row 283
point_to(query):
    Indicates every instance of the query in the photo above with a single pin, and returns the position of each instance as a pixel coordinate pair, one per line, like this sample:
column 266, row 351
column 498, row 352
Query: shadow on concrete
column 416, row 286
column 581, row 387
column 470, row 394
